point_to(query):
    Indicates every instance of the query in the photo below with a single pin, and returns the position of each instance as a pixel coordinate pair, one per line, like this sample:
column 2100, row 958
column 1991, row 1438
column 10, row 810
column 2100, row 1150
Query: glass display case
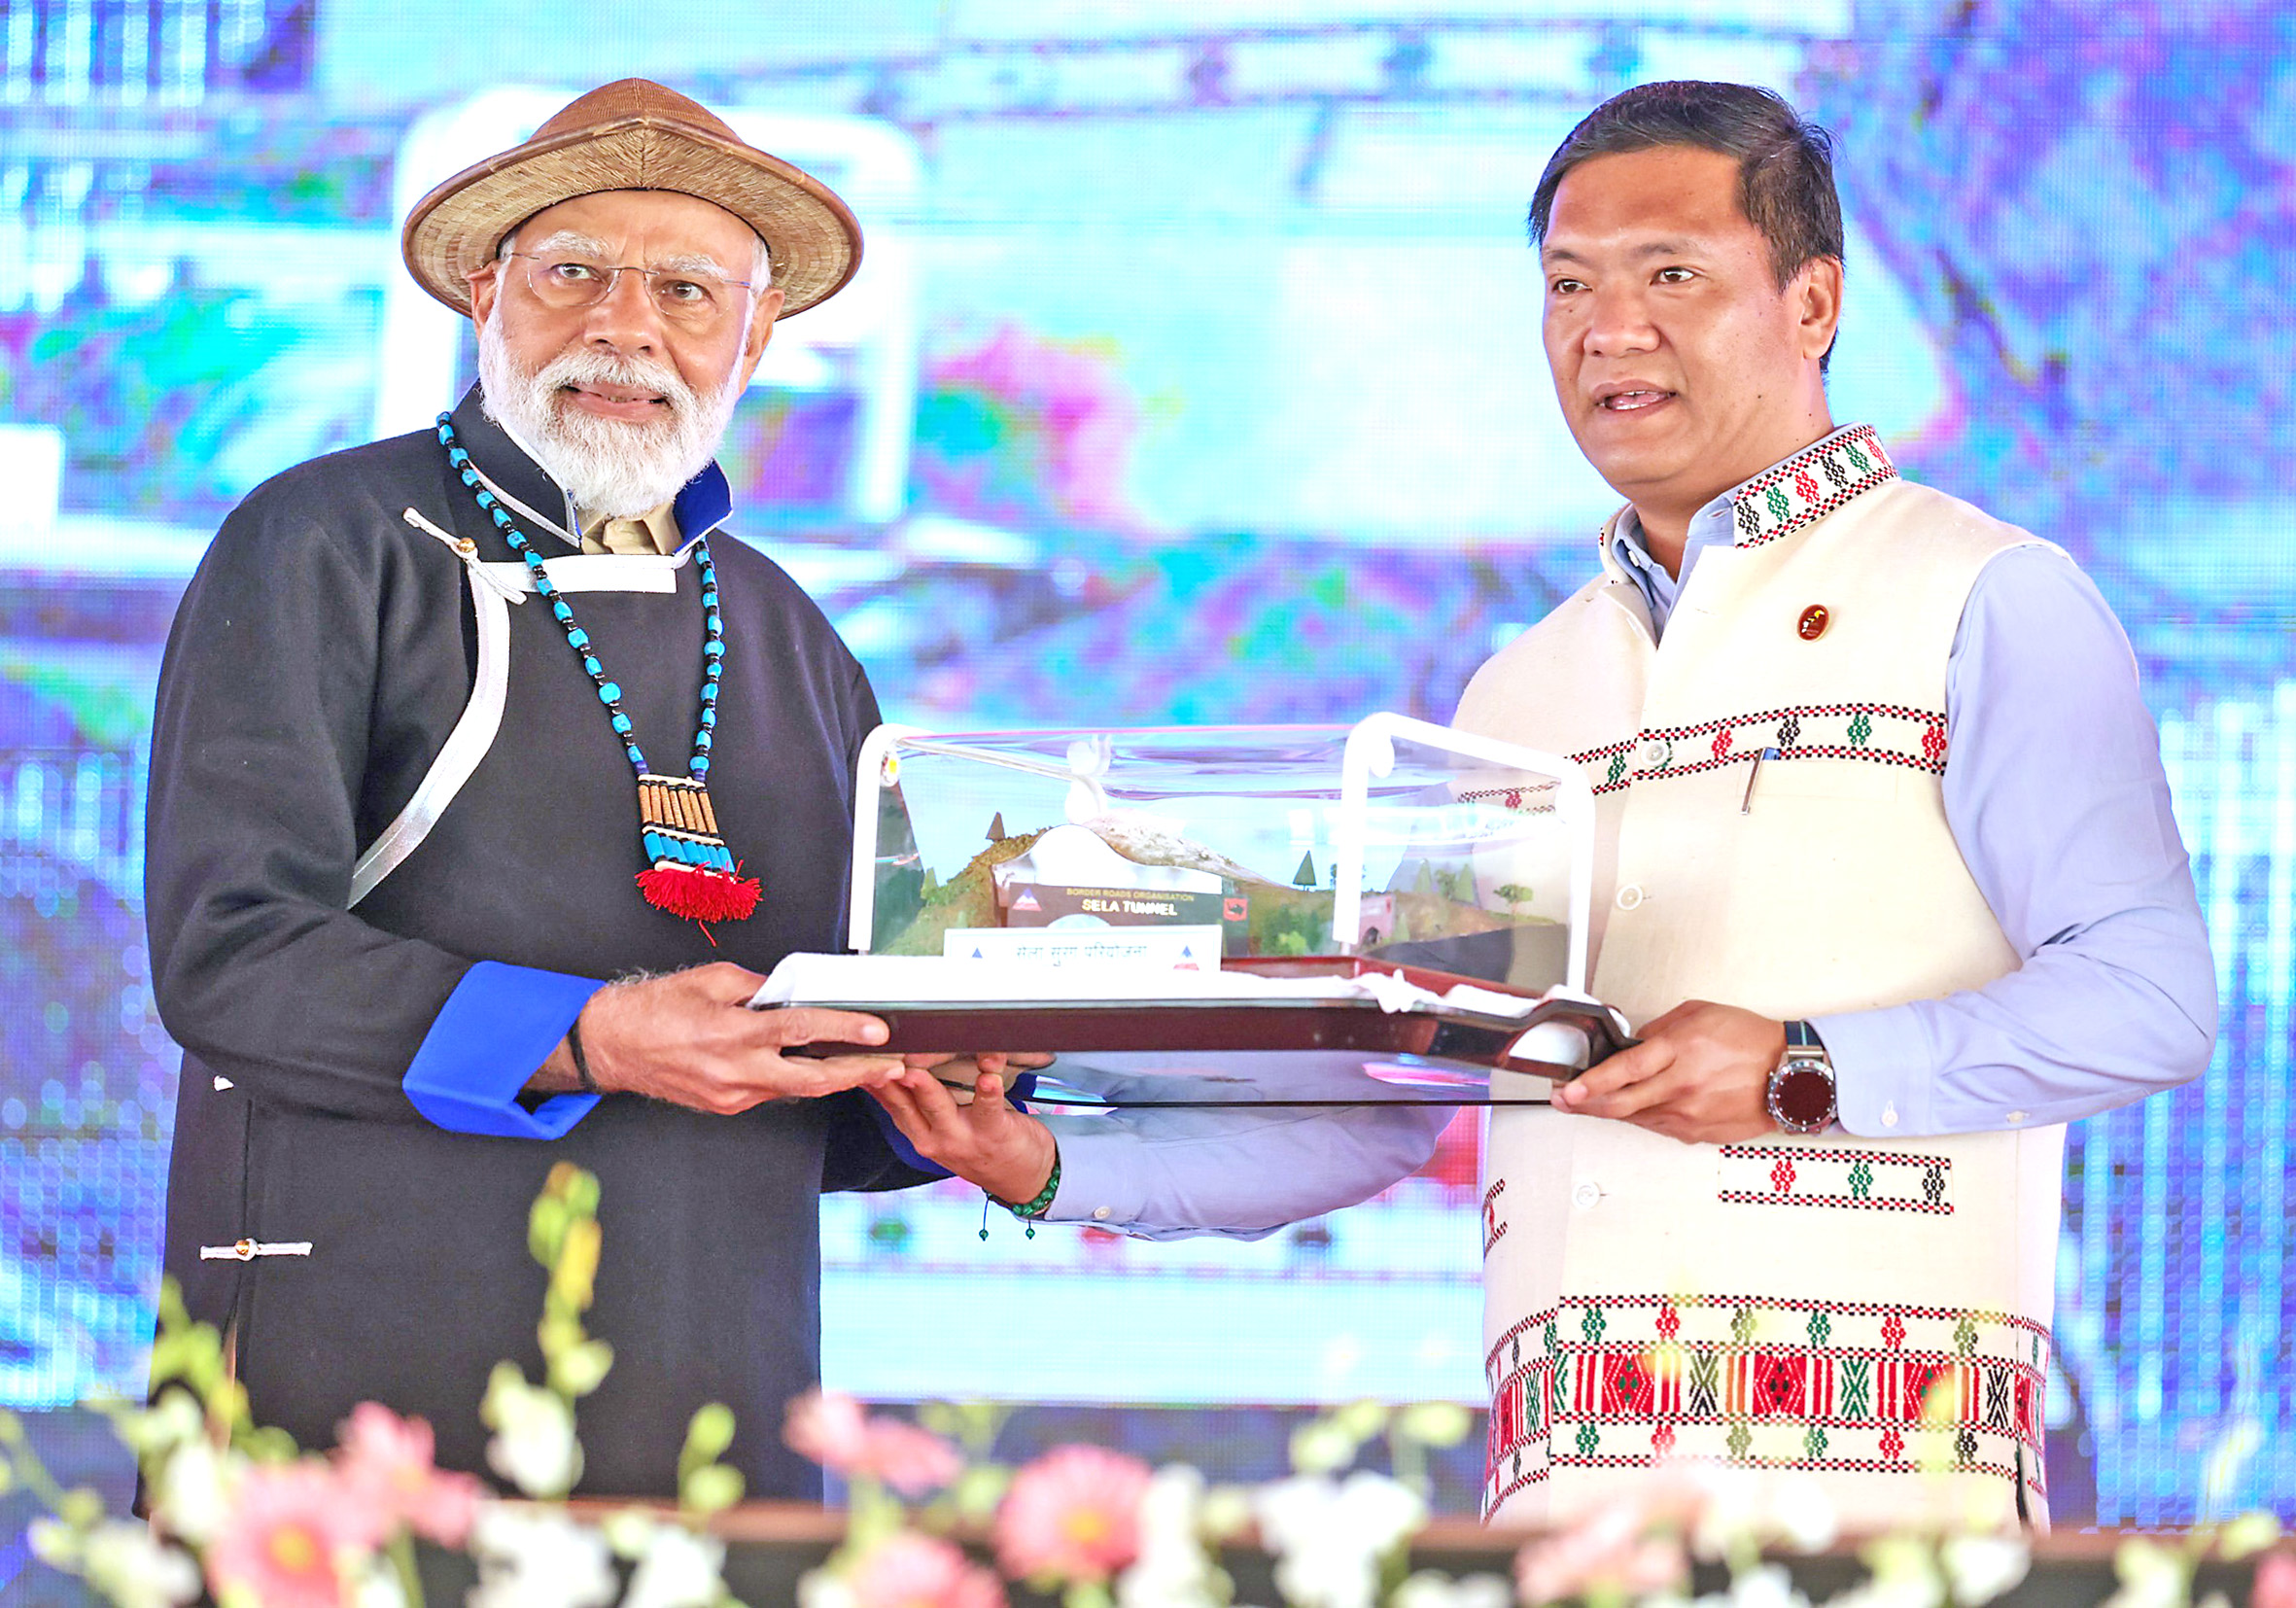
column 1390, row 840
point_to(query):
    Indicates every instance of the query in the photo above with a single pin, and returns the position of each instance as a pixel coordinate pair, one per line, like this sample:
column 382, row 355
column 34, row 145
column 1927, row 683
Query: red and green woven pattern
column 1810, row 485
column 1831, row 1179
column 1882, row 734
column 1839, row 1387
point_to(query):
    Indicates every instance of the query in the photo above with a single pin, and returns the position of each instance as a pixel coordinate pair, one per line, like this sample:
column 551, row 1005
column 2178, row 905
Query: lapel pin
column 1814, row 621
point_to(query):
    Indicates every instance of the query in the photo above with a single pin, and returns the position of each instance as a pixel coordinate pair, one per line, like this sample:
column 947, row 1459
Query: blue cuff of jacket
column 499, row 1024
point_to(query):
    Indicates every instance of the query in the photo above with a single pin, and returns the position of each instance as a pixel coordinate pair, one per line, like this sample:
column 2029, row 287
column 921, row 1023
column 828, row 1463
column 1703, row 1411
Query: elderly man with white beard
column 490, row 773
column 454, row 728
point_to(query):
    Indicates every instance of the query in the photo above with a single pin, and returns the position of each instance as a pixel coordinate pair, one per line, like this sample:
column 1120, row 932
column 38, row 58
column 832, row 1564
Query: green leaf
column 559, row 1330
column 502, row 1384
column 629, row 1531
column 978, row 1490
column 578, row 1369
column 710, row 1489
column 2246, row 1536
column 545, row 1229
column 269, row 1444
column 1433, row 1423
column 1322, row 1448
column 707, row 1436
column 574, row 1275
column 1360, row 1420
column 581, row 1193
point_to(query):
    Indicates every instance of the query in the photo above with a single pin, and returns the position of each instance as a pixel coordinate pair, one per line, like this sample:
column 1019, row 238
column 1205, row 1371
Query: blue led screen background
column 1194, row 377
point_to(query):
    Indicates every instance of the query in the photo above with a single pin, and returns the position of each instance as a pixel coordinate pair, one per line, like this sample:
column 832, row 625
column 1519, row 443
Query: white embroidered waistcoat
column 1873, row 1311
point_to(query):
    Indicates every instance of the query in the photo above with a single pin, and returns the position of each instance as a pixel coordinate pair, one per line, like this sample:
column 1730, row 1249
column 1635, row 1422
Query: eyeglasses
column 690, row 297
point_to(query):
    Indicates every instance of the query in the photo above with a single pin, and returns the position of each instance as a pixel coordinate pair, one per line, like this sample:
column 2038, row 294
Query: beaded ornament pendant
column 694, row 873
column 690, row 871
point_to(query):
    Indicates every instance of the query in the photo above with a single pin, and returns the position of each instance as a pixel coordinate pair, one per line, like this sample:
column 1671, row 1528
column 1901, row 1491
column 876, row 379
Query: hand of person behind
column 985, row 1141
column 690, row 1037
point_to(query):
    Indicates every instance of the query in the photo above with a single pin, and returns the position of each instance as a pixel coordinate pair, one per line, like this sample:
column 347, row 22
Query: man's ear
column 486, row 283
column 761, row 331
column 1816, row 295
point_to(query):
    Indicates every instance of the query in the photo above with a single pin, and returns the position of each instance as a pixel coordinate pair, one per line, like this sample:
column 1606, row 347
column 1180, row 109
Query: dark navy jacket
column 322, row 655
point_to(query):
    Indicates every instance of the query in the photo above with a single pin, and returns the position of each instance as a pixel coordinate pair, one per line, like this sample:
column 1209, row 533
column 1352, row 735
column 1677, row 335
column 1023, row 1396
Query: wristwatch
column 1802, row 1085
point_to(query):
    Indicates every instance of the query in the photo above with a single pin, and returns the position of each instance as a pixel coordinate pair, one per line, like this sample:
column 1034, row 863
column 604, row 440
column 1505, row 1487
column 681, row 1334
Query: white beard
column 608, row 467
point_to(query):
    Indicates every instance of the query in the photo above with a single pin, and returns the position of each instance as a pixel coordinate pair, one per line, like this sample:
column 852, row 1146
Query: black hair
column 1785, row 161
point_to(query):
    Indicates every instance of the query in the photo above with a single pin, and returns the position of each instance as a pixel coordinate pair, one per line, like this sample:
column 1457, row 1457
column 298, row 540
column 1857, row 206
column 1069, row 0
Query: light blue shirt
column 2056, row 798
column 1160, row 1175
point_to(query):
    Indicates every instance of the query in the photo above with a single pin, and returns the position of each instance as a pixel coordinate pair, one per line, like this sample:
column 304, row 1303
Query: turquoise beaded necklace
column 689, row 872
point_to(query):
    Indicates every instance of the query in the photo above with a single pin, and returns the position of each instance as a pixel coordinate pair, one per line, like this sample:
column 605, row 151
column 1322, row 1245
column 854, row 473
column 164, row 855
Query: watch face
column 1802, row 1095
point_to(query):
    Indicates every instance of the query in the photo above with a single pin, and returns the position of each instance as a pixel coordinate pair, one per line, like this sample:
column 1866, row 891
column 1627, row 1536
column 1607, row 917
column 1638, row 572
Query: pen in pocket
column 1745, row 804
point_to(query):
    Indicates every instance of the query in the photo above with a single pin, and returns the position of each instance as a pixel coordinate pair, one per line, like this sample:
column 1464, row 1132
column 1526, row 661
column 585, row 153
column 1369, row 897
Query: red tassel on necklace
column 699, row 896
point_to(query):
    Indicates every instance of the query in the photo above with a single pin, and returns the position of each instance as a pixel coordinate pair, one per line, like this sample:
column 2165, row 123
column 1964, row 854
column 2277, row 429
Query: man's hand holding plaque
column 985, row 1141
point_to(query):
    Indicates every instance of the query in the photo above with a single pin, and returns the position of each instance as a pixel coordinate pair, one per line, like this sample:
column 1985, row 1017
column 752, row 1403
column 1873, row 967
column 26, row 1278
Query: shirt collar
column 511, row 471
column 1630, row 551
column 660, row 525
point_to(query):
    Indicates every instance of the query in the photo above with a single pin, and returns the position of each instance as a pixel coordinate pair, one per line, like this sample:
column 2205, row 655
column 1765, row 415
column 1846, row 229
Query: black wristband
column 574, row 1048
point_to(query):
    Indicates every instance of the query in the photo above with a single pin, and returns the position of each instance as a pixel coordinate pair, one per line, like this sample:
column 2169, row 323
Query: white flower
column 538, row 1559
column 534, row 1445
column 1430, row 1590
column 379, row 1587
column 125, row 1563
column 1328, row 1537
column 1981, row 1567
column 1768, row 1586
column 1385, row 1513
column 1801, row 1515
column 1173, row 1569
column 1902, row 1592
column 679, row 1569
column 172, row 1421
column 191, row 1497
column 821, row 1589
column 1903, row 1573
column 1729, row 1510
column 2151, row 1577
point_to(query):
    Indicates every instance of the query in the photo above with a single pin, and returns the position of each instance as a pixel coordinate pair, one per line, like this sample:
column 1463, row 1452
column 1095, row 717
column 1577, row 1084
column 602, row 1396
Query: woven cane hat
column 635, row 134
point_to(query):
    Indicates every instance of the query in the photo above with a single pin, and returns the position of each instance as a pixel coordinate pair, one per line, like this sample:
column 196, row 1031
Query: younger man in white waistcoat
column 1887, row 874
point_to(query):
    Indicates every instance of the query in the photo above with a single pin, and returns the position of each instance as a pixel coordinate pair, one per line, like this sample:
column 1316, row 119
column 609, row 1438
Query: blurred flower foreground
column 238, row 1512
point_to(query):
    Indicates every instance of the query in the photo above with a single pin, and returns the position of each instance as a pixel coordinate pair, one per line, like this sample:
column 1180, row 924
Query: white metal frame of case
column 1370, row 753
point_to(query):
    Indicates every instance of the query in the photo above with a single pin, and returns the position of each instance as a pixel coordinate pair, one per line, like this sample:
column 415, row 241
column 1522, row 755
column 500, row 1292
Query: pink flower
column 828, row 1427
column 2275, row 1581
column 910, row 1460
column 832, row 1430
column 386, row 1464
column 917, row 1571
column 292, row 1538
column 1632, row 1542
column 1072, row 1514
